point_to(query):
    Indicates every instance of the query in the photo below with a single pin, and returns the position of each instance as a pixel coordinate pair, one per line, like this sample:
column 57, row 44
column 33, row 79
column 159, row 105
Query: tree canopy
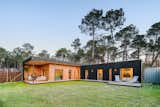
column 111, row 41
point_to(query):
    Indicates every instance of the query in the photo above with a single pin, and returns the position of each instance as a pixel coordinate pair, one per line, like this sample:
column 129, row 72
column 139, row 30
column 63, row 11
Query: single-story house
column 108, row 71
column 40, row 70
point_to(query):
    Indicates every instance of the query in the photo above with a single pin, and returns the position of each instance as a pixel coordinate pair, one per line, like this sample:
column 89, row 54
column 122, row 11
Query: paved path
column 116, row 83
column 108, row 82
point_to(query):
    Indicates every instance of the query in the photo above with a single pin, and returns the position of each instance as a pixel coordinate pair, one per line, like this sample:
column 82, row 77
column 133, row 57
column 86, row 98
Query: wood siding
column 50, row 69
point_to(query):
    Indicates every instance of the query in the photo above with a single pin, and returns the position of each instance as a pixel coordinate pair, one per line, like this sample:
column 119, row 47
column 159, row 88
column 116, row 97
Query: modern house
column 38, row 70
column 108, row 71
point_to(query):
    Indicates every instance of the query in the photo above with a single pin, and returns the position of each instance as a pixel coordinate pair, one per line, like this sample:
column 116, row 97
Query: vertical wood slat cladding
column 10, row 76
column 92, row 69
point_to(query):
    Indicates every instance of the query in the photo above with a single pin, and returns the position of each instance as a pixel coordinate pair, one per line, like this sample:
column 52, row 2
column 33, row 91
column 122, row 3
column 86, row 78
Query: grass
column 77, row 94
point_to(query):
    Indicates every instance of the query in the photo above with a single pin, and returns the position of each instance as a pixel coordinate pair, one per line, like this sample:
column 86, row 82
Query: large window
column 79, row 74
column 100, row 74
column 126, row 73
column 70, row 74
column 86, row 74
column 110, row 74
column 58, row 74
column 44, row 72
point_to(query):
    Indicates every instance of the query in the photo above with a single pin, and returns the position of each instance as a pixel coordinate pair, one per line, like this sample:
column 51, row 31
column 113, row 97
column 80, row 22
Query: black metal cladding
column 92, row 69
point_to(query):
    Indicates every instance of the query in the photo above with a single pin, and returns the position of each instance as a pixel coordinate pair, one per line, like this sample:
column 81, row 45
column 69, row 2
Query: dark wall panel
column 136, row 65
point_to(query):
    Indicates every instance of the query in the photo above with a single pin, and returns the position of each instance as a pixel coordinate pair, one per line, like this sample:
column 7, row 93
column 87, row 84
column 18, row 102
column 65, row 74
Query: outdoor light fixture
column 115, row 70
column 92, row 70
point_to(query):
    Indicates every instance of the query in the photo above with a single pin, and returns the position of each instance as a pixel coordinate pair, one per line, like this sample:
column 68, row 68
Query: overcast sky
column 52, row 24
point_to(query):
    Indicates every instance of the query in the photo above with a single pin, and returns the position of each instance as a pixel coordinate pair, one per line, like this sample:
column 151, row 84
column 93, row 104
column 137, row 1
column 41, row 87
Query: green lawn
column 77, row 94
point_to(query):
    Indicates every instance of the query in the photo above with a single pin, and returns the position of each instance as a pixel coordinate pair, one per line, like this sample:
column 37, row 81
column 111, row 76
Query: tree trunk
column 107, row 56
column 112, row 34
column 93, row 45
column 114, row 56
column 153, row 55
column 111, row 31
column 155, row 58
column 123, row 58
column 7, row 75
column 138, row 53
column 126, row 55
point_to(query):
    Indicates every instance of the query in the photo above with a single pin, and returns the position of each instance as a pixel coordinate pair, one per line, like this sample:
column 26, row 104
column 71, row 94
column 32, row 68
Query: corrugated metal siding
column 152, row 75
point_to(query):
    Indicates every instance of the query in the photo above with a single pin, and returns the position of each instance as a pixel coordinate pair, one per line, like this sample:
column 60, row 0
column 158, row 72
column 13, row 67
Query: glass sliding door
column 70, row 74
column 100, row 74
column 86, row 74
column 58, row 74
column 110, row 74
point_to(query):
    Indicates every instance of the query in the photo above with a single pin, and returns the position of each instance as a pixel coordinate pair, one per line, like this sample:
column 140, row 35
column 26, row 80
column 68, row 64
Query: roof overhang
column 40, row 62
column 35, row 62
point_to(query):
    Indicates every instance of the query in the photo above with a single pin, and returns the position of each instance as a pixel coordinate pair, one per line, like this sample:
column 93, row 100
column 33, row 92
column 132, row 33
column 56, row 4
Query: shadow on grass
column 151, row 85
column 1, row 103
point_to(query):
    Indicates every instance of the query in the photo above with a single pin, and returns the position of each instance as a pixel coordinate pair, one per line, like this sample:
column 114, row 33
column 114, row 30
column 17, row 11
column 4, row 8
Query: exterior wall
column 50, row 71
column 115, row 67
column 109, row 70
column 152, row 75
column 74, row 72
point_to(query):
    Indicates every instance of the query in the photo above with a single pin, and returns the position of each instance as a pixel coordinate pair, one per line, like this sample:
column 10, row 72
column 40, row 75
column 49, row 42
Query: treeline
column 111, row 41
column 15, row 58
